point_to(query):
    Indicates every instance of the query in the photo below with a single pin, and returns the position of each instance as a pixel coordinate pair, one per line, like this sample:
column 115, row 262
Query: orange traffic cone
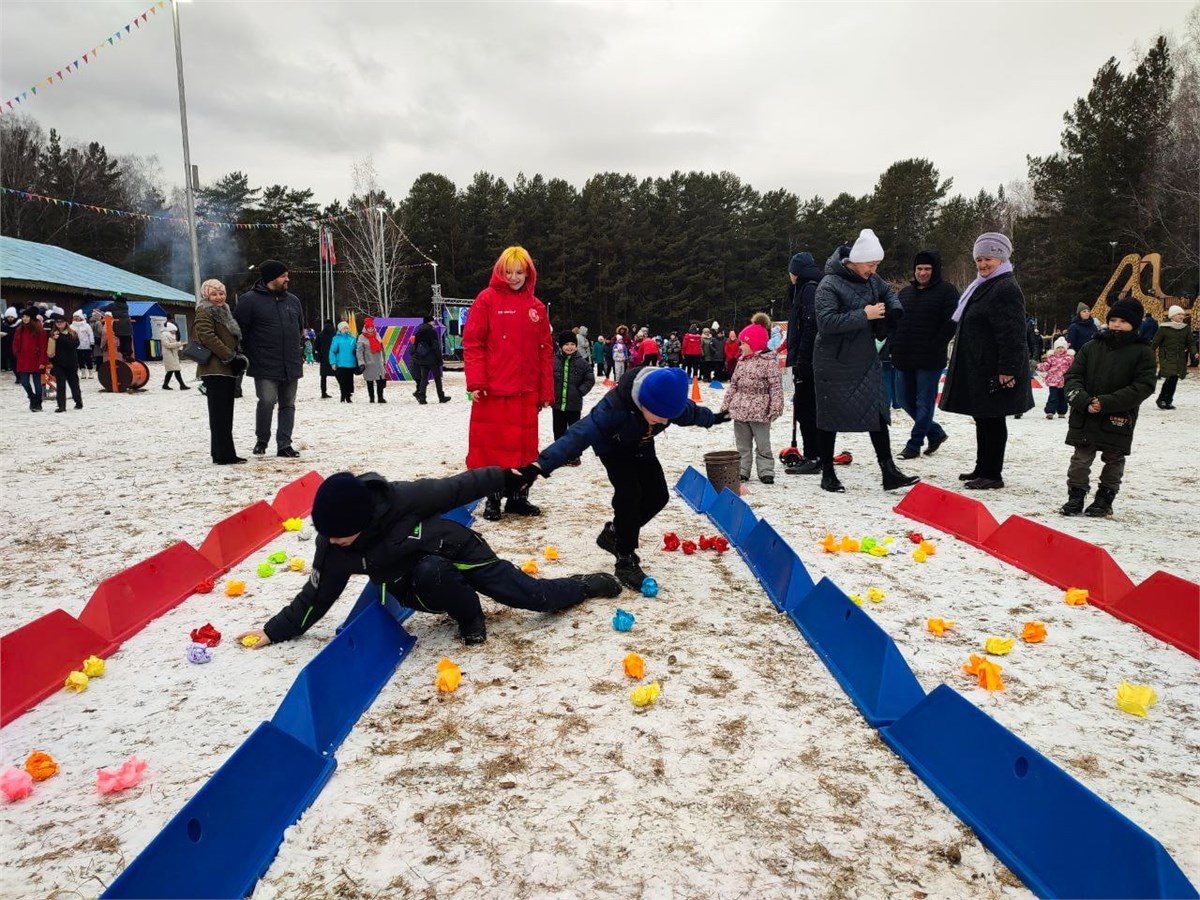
column 696, row 390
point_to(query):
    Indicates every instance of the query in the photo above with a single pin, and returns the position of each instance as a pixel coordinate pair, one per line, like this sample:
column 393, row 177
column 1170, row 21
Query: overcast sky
column 817, row 98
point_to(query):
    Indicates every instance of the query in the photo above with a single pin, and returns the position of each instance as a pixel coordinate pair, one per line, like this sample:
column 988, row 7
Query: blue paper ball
column 649, row 587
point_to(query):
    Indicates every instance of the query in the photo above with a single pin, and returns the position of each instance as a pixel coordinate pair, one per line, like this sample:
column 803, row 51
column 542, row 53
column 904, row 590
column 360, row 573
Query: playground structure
column 1155, row 302
column 118, row 376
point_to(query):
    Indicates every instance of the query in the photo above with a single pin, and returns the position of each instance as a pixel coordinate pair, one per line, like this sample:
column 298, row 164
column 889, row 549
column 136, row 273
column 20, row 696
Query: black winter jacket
column 1080, row 331
column 990, row 342
column 1117, row 368
column 921, row 336
column 802, row 318
column 406, row 526
column 272, row 333
column 66, row 349
column 427, row 346
column 573, row 377
column 122, row 324
column 321, row 348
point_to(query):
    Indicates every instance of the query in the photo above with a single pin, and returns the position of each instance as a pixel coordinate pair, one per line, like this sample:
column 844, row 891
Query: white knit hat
column 1175, row 311
column 867, row 248
column 11, row 311
column 1060, row 344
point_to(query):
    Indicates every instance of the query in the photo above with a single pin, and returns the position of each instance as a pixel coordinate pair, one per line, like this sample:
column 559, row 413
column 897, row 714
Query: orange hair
column 513, row 256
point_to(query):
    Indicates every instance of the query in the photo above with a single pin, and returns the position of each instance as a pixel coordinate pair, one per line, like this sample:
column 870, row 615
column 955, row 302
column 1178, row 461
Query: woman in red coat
column 29, row 352
column 733, row 350
column 508, row 354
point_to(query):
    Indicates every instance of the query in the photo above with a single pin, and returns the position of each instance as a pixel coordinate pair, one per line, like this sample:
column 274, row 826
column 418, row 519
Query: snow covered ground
column 752, row 776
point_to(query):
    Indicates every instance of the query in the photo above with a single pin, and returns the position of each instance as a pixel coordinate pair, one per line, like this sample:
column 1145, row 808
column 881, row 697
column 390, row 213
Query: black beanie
column 925, row 258
column 799, row 262
column 271, row 269
column 567, row 337
column 342, row 506
column 1129, row 310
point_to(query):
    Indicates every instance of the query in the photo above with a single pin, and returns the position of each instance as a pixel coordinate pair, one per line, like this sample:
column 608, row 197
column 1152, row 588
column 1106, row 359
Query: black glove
column 520, row 479
column 721, row 418
column 239, row 364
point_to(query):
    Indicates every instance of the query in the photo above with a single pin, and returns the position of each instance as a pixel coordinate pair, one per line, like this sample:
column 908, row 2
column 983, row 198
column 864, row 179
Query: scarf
column 1003, row 269
column 376, row 344
column 222, row 314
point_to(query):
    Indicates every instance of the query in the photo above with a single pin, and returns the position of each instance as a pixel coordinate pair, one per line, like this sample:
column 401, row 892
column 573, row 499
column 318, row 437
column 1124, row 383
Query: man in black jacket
column 803, row 276
column 394, row 532
column 272, row 322
column 427, row 360
column 919, row 349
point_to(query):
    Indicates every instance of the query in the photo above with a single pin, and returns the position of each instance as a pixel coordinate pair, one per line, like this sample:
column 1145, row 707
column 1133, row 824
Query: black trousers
column 639, row 493
column 219, row 391
column 804, row 408
column 423, row 374
column 85, row 359
column 439, row 586
column 63, row 378
column 374, row 387
column 178, row 377
column 991, row 438
column 1167, row 393
column 880, row 440
column 562, row 420
column 345, row 380
column 325, row 385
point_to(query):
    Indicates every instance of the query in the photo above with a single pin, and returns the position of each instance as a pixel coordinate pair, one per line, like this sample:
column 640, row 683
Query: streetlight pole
column 187, row 156
column 1112, row 253
column 383, row 262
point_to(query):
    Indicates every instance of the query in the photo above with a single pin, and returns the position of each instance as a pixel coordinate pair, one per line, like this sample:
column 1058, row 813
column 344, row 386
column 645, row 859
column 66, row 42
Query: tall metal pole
column 383, row 261
column 187, row 156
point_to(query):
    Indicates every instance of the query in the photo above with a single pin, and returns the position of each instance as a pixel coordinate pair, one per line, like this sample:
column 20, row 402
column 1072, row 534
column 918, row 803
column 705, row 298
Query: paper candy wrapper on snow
column 623, row 621
column 649, row 587
column 998, row 646
column 529, row 567
column 551, row 553
column 448, row 676
column 206, row 635
column 1033, row 633
column 278, row 558
column 875, row 595
column 205, row 586
column 76, row 682
column 938, row 626
column 986, row 671
column 1075, row 597
column 93, row 667
column 251, row 640
column 1135, row 699
column 296, row 564
column 198, row 654
column 645, row 695
column 109, row 781
column 293, row 524
column 235, row 588
column 265, row 570
column 688, row 547
column 40, row 766
column 17, row 784
column 670, row 542
column 856, row 599
column 635, row 666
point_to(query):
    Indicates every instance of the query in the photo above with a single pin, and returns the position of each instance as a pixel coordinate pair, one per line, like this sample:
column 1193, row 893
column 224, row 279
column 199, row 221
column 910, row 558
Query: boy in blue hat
column 621, row 429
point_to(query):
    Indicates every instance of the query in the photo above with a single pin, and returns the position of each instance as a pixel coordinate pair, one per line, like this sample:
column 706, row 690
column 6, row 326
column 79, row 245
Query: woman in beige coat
column 170, row 351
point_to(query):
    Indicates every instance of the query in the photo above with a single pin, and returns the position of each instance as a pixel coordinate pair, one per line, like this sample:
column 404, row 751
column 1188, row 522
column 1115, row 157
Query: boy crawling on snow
column 393, row 531
column 621, row 429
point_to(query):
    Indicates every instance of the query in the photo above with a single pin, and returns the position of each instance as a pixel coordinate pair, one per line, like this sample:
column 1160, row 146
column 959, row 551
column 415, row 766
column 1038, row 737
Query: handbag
column 196, row 352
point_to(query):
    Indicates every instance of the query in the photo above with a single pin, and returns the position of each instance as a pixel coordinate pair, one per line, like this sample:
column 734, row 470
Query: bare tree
column 369, row 245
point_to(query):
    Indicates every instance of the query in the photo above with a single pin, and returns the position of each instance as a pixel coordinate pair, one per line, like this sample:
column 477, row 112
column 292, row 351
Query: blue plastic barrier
column 695, row 490
column 463, row 515
column 341, row 681
column 373, row 595
column 860, row 654
column 734, row 517
column 1051, row 831
column 225, row 837
column 775, row 564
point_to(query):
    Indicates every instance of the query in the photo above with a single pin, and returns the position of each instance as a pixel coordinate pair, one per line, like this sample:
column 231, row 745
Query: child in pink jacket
column 754, row 398
column 1054, row 367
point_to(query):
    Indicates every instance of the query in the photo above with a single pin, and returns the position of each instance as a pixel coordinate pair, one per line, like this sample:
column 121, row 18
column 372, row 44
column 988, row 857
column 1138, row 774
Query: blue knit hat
column 662, row 392
column 799, row 262
column 342, row 506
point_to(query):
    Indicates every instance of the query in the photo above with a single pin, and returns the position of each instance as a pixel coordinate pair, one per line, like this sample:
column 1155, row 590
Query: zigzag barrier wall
column 36, row 658
column 776, row 565
column 1164, row 605
column 1019, row 802
column 295, row 500
column 733, row 516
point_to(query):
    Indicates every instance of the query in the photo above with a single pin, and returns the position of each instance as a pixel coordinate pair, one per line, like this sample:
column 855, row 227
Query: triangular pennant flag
column 143, row 17
column 110, row 41
column 85, row 57
column 127, row 27
column 137, row 22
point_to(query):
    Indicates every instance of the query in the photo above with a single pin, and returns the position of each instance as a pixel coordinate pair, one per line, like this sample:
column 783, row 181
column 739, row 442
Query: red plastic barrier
column 295, row 500
column 964, row 517
column 1165, row 606
column 36, row 659
column 124, row 603
column 233, row 539
column 1060, row 559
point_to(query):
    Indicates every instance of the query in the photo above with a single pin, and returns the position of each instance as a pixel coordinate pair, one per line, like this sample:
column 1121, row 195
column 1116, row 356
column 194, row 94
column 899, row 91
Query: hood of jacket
column 836, row 265
column 498, row 283
column 935, row 260
column 809, row 273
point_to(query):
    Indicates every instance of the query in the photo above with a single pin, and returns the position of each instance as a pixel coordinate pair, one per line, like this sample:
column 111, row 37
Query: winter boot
column 1074, row 504
column 1102, row 505
column 629, row 571
column 599, row 584
column 607, row 541
column 893, row 478
column 491, row 508
column 829, row 482
column 473, row 632
column 807, row 467
column 518, row 504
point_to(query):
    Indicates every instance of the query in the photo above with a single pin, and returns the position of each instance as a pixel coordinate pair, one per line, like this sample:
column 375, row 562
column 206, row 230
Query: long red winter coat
column 691, row 345
column 508, row 353
column 29, row 348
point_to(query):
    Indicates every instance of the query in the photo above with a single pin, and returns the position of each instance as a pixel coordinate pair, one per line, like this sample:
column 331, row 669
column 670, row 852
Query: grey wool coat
column 847, row 373
column 372, row 363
